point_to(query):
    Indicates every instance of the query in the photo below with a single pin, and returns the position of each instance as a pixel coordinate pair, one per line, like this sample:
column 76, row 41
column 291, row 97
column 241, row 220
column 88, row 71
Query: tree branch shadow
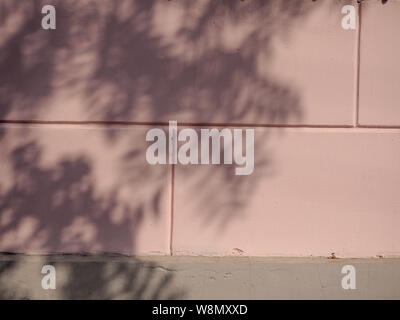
column 129, row 61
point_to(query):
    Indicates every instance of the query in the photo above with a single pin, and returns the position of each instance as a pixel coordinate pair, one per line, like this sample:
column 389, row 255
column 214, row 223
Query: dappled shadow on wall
column 153, row 61
column 87, row 278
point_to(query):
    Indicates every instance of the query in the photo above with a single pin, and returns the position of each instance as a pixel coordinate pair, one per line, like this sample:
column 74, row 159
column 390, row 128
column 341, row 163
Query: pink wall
column 76, row 103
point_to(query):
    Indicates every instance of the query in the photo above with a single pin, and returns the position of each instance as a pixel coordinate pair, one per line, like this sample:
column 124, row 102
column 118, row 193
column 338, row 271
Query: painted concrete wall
column 76, row 103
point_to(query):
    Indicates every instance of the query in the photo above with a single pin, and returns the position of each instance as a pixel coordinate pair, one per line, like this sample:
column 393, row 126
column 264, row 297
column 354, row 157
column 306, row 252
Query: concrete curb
column 178, row 277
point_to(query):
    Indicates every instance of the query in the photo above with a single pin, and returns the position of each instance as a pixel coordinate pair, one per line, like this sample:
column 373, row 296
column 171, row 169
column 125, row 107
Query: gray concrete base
column 162, row 277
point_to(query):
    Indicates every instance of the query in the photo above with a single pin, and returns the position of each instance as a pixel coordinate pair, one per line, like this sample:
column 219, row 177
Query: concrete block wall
column 76, row 103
